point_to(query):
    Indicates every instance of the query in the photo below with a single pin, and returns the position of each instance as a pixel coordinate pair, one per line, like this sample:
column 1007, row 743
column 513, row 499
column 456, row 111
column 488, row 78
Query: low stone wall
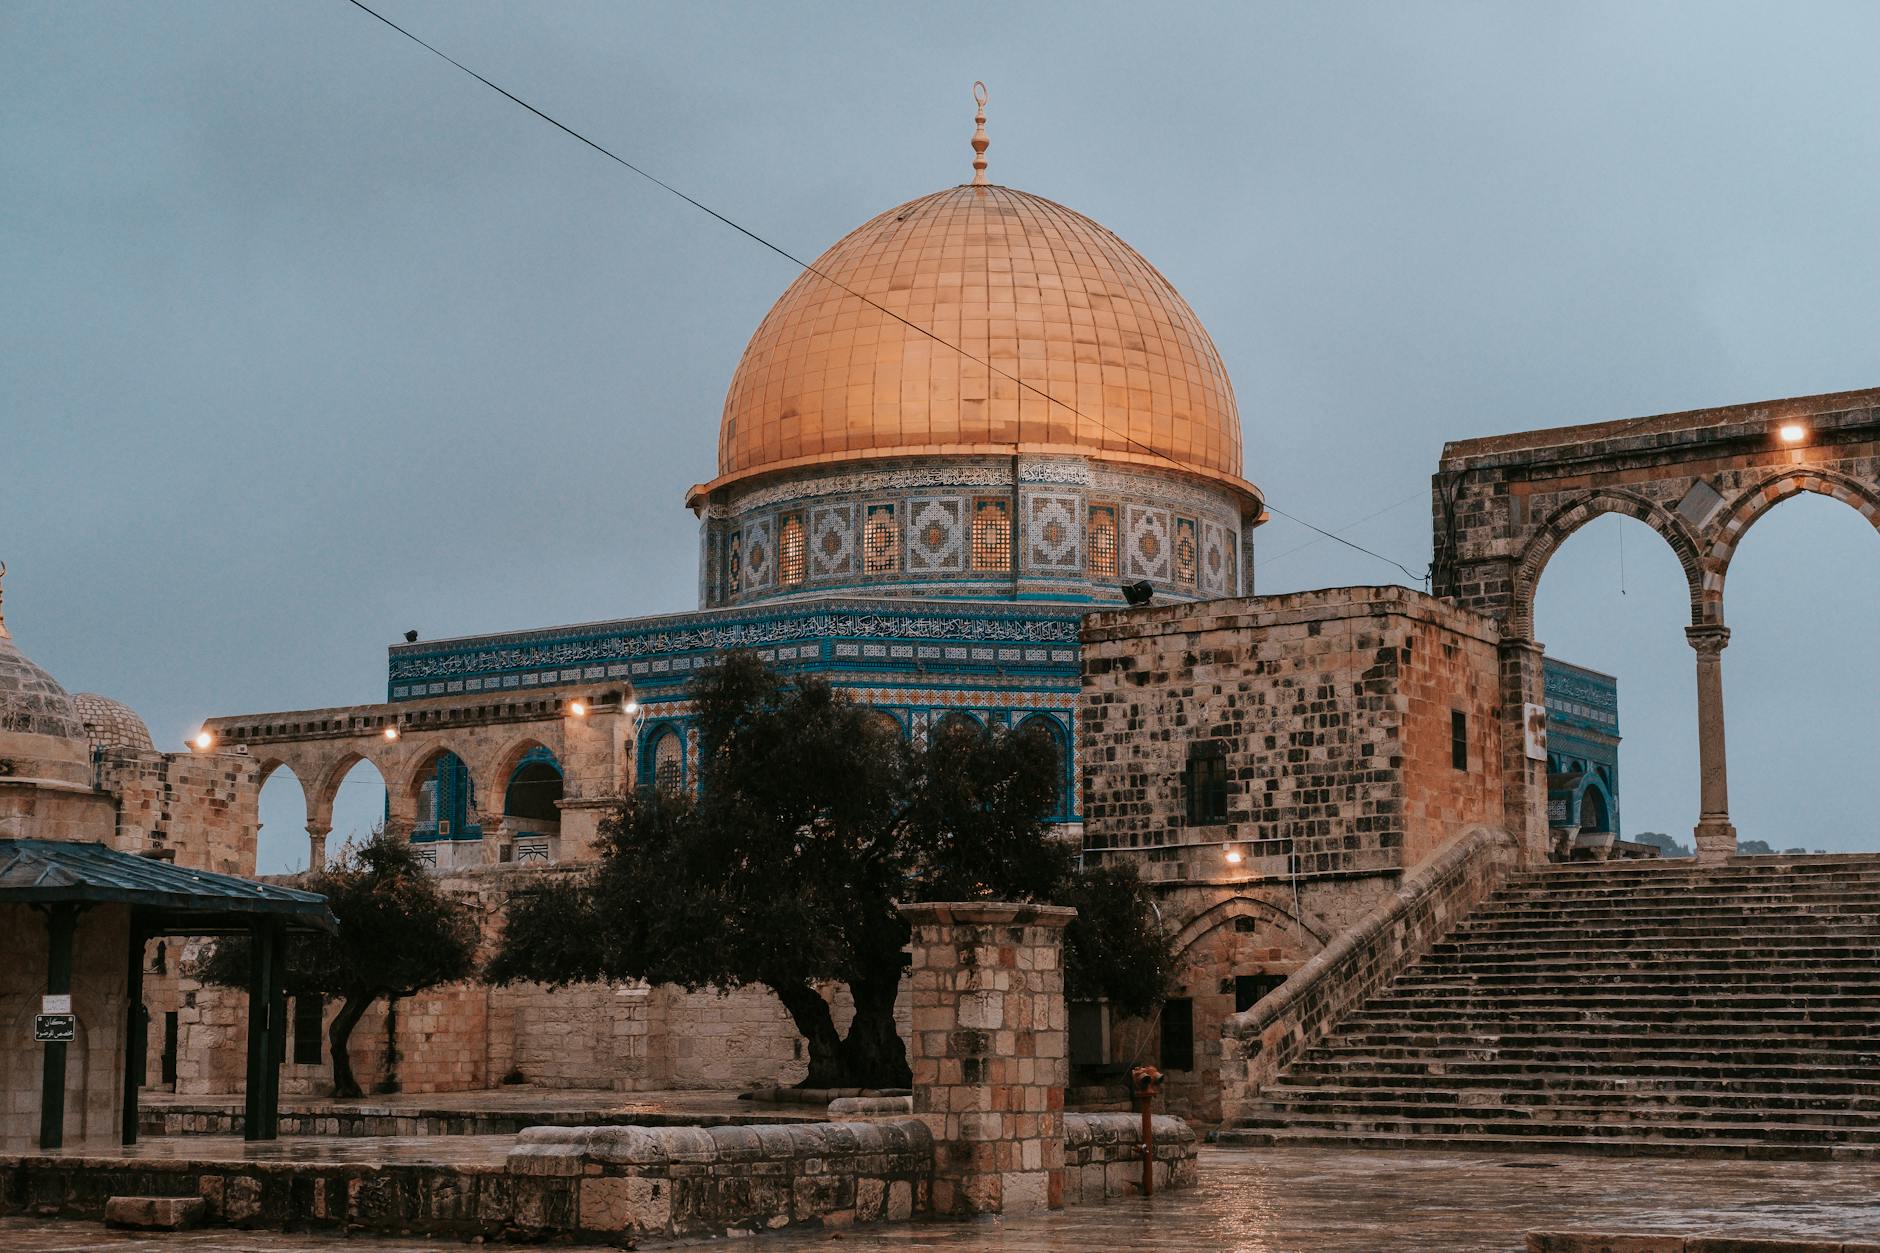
column 1103, row 1156
column 680, row 1181
column 1258, row 1044
column 355, row 1121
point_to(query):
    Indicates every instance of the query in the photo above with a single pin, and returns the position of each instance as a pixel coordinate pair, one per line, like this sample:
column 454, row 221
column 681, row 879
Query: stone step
column 1830, row 1109
column 1824, row 981
column 1570, row 1006
column 1590, row 938
column 1544, row 1083
column 1615, row 1146
column 1620, row 1042
column 1520, row 1122
column 1593, row 965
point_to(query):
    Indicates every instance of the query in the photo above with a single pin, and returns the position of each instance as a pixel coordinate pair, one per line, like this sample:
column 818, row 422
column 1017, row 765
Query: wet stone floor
column 1305, row 1200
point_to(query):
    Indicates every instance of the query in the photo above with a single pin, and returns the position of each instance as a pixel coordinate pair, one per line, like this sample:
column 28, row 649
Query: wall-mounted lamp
column 632, row 706
column 1792, row 432
column 1232, row 856
column 391, row 733
column 578, row 709
column 204, row 741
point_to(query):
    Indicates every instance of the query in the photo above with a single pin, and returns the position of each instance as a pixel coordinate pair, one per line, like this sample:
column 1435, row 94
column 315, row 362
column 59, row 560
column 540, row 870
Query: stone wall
column 1330, row 708
column 199, row 809
column 94, row 1065
column 1258, row 1044
column 1103, row 1156
column 719, row 1181
column 1334, row 712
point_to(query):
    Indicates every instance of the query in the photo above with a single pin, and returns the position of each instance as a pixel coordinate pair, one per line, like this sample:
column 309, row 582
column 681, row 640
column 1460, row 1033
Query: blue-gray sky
column 308, row 338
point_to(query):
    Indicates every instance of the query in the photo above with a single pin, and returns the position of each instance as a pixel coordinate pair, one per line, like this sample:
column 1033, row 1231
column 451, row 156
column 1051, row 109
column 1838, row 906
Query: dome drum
column 1076, row 529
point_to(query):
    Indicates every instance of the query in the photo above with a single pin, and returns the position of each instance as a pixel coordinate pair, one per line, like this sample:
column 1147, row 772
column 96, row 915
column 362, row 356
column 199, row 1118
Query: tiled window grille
column 734, row 565
column 669, row 761
column 1101, row 541
column 881, row 541
column 992, row 535
column 1186, row 564
column 791, row 555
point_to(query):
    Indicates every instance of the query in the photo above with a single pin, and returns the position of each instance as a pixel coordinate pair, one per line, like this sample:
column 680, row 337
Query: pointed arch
column 1570, row 518
column 1223, row 913
column 1757, row 500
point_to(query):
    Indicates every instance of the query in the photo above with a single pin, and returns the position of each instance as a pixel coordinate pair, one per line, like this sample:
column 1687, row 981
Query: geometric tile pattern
column 1146, row 546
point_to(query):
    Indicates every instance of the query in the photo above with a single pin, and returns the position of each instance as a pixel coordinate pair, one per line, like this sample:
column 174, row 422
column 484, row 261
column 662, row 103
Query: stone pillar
column 316, row 844
column 1523, row 685
column 1716, row 838
column 989, row 1052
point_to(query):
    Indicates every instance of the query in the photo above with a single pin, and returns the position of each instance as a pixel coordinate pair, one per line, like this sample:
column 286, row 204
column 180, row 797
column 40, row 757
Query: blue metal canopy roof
column 47, row 871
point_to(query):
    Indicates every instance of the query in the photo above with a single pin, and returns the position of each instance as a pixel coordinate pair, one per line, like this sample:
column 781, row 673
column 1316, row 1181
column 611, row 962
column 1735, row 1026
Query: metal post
column 61, row 925
column 260, row 1001
column 277, row 1031
column 136, row 1030
column 1147, row 1081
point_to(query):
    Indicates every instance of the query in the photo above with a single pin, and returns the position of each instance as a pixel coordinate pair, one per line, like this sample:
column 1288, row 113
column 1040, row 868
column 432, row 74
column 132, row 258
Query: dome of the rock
column 1092, row 351
column 112, row 724
column 41, row 734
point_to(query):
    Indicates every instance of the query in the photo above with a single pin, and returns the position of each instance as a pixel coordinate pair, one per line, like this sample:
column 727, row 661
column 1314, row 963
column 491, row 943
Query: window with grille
column 669, row 761
column 791, row 554
column 881, row 541
column 734, row 565
column 992, row 535
column 1205, row 785
column 1187, row 562
column 1101, row 541
column 1458, row 739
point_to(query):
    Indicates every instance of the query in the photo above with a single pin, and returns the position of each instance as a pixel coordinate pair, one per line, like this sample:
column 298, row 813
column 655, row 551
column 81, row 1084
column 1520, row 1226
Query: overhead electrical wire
column 810, row 268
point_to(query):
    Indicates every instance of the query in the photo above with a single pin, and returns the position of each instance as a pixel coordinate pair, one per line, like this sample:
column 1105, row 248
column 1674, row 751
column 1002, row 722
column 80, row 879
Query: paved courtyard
column 1300, row 1201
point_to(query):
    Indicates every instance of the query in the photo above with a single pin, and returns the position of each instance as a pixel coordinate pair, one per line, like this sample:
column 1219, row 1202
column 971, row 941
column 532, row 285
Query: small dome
column 111, row 723
column 1117, row 366
column 31, row 701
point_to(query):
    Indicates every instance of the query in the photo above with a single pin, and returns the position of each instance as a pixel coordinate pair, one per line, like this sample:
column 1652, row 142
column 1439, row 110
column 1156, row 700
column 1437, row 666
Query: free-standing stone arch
column 1502, row 506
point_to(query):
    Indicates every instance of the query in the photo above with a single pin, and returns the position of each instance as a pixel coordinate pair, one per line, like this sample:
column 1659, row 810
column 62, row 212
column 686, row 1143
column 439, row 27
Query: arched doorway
column 1801, row 598
column 1614, row 600
column 532, row 806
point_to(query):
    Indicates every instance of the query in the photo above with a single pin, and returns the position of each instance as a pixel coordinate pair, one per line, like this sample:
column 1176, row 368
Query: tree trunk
column 813, row 1022
column 874, row 1055
column 351, row 1010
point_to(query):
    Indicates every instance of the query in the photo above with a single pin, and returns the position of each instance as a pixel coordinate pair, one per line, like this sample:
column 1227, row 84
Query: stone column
column 1524, row 779
column 1716, row 838
column 989, row 1053
column 316, row 844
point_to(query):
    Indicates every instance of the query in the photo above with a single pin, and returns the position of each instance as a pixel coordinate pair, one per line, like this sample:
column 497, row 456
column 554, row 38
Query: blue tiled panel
column 919, row 660
column 1582, row 741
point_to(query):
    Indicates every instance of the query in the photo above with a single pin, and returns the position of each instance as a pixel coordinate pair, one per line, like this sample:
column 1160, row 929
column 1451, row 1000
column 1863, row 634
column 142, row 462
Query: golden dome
column 1114, row 364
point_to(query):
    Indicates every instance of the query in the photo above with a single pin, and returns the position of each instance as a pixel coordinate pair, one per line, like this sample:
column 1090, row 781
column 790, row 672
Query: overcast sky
column 308, row 338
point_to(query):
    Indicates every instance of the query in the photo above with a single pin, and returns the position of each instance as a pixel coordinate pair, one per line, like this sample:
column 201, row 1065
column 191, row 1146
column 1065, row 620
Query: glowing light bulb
column 1233, row 857
column 578, row 709
column 632, row 706
column 1793, row 432
column 204, row 740
column 391, row 733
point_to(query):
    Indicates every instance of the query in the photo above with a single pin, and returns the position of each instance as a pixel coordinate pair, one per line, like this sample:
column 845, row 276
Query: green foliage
column 1116, row 947
column 399, row 933
column 812, row 818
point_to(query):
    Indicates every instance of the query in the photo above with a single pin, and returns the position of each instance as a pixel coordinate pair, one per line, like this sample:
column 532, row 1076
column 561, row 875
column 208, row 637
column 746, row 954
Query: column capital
column 319, row 830
column 1711, row 638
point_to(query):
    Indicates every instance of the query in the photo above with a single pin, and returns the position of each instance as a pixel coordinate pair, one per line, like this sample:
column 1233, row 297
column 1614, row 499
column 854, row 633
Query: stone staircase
column 1625, row 1008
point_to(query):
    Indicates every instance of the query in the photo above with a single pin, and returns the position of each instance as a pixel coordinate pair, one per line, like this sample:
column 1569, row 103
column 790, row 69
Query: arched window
column 666, row 754
column 1049, row 728
column 992, row 535
column 535, row 787
column 790, row 551
column 881, row 541
column 1102, row 541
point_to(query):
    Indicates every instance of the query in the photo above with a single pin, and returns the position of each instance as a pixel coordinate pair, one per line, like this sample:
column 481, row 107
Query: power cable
column 810, row 268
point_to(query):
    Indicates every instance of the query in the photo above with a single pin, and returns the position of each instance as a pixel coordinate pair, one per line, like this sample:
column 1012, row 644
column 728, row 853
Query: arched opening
column 534, row 792
column 1610, row 608
column 1050, row 729
column 1801, row 597
column 359, row 805
column 444, row 800
column 663, row 757
column 957, row 722
column 281, row 846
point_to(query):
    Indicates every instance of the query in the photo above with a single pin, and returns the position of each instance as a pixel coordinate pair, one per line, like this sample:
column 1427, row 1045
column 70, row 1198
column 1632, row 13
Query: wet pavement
column 517, row 1098
column 1299, row 1201
column 459, row 1151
